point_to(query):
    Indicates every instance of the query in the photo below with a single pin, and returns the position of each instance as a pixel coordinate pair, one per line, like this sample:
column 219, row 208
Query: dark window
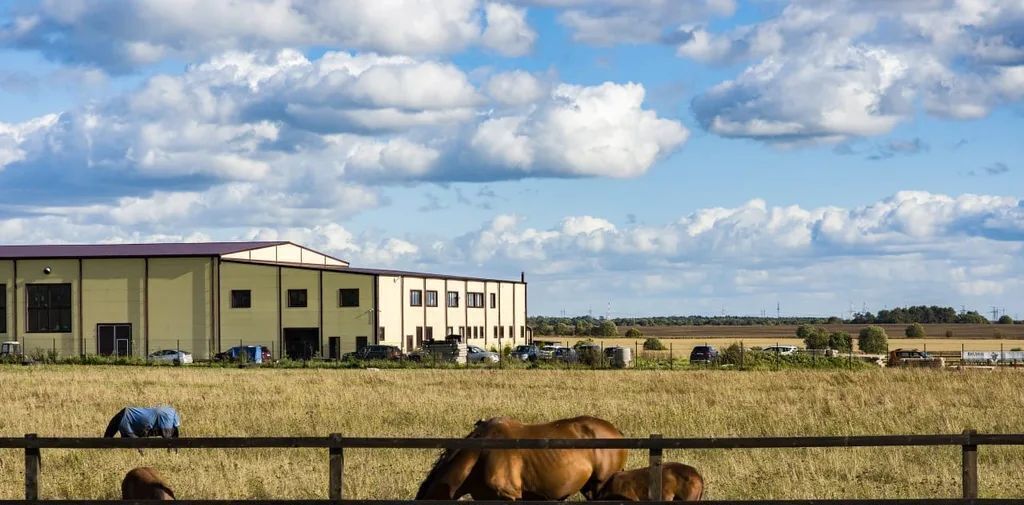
column 348, row 297
column 3, row 308
column 297, row 298
column 49, row 308
column 495, row 332
column 360, row 342
column 419, row 336
column 453, row 298
column 431, row 298
column 494, row 300
column 522, row 332
column 511, row 332
column 241, row 298
column 475, row 300
column 430, row 333
column 415, row 297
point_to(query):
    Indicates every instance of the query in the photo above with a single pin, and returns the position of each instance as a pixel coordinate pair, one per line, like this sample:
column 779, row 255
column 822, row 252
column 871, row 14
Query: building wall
column 389, row 310
column 31, row 272
column 180, row 307
column 348, row 322
column 258, row 324
column 113, row 293
column 7, row 279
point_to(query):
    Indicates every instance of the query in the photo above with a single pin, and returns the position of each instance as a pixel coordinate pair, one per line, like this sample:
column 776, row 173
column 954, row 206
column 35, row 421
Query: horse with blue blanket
column 137, row 422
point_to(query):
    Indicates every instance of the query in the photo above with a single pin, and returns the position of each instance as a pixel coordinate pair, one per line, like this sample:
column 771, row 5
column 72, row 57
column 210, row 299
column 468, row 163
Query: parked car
column 914, row 358
column 374, row 352
column 170, row 356
column 548, row 351
column 236, row 353
column 478, row 355
column 525, row 352
column 565, row 354
column 703, row 354
column 780, row 350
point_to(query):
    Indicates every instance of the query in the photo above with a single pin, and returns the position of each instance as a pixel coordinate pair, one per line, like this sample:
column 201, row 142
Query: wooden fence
column 655, row 445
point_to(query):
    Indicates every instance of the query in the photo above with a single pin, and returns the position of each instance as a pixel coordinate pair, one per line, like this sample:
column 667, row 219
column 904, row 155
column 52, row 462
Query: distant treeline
column 898, row 315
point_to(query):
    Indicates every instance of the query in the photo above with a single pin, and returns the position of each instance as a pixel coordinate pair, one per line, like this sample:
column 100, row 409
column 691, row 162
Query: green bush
column 873, row 340
column 914, row 331
column 1005, row 319
column 634, row 333
column 654, row 344
column 840, row 340
column 813, row 336
column 607, row 328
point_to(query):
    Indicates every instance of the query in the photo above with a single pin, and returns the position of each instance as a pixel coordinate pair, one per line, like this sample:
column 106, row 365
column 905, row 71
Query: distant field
column 960, row 331
column 78, row 401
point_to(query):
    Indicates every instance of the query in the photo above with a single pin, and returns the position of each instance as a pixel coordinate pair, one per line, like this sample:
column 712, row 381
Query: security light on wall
column 47, row 270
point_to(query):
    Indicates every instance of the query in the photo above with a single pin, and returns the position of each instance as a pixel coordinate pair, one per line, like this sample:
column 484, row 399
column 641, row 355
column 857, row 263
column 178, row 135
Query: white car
column 170, row 356
column 478, row 355
column 548, row 351
column 781, row 350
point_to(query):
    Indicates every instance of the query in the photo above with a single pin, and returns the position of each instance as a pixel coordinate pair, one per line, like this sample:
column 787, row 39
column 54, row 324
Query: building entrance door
column 114, row 339
column 301, row 343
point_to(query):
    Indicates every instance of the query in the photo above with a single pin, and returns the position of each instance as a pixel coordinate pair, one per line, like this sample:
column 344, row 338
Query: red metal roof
column 129, row 250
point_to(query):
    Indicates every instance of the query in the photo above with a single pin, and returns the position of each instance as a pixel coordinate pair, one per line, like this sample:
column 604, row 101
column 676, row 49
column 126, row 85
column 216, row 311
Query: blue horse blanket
column 142, row 422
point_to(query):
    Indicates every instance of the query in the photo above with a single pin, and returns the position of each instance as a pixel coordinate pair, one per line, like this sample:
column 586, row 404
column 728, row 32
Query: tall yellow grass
column 70, row 401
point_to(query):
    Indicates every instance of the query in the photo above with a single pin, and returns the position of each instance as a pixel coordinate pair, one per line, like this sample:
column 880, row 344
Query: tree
column 1005, row 319
column 545, row 329
column 563, row 329
column 840, row 340
column 634, row 333
column 583, row 327
column 872, row 339
column 813, row 337
column 914, row 331
column 606, row 329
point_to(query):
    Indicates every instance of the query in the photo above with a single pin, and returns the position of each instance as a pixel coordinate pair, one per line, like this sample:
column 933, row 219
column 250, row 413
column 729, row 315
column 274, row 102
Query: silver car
column 171, row 356
column 478, row 355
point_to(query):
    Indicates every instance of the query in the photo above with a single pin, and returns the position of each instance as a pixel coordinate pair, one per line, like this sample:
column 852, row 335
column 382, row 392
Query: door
column 430, row 333
column 334, row 347
column 361, row 342
column 114, row 339
column 301, row 343
column 408, row 342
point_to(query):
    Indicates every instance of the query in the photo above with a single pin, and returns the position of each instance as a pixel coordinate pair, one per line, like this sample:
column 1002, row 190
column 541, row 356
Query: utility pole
column 778, row 310
column 995, row 313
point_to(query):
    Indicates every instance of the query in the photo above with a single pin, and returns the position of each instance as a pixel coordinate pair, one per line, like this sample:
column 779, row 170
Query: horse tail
column 114, row 424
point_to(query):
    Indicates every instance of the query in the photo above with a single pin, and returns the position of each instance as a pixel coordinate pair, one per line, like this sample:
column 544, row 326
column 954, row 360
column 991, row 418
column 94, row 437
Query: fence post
column 32, row 464
column 970, row 466
column 671, row 358
column 337, row 464
column 654, row 478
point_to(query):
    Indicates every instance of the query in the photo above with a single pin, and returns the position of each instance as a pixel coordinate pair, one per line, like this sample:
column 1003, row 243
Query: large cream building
column 134, row 299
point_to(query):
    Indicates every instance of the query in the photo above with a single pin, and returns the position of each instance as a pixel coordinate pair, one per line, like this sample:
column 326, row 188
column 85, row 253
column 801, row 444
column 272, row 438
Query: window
column 49, row 308
column 522, row 332
column 453, row 298
column 241, row 298
column 475, row 300
column 297, row 298
column 511, row 332
column 3, row 308
column 415, row 297
column 449, row 331
column 430, row 333
column 419, row 336
column 495, row 332
column 431, row 298
column 380, row 335
column 348, row 297
column 494, row 300
column 501, row 332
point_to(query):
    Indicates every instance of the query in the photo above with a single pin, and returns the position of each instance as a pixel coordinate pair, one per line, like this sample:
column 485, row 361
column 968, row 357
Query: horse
column 525, row 474
column 136, row 422
column 679, row 482
column 144, row 483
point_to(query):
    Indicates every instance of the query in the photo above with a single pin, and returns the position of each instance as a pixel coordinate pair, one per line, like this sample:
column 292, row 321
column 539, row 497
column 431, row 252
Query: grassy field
column 960, row 331
column 77, row 401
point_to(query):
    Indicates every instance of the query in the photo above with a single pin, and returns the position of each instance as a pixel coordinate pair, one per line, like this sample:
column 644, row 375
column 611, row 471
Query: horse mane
column 446, row 456
column 114, row 424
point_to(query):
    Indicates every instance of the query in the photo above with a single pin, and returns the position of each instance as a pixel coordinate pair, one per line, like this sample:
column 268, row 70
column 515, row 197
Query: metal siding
column 256, row 325
column 181, row 305
column 64, row 271
column 348, row 322
column 7, row 279
column 112, row 292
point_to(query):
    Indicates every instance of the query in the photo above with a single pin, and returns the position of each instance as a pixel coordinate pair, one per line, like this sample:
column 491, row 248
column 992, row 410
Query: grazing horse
column 525, row 474
column 137, row 422
column 679, row 482
column 144, row 483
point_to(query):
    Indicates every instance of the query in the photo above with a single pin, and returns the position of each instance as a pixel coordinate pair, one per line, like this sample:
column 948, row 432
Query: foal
column 679, row 482
column 144, row 483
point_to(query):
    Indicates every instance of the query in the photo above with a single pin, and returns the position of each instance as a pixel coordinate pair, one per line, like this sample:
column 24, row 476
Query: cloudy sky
column 631, row 156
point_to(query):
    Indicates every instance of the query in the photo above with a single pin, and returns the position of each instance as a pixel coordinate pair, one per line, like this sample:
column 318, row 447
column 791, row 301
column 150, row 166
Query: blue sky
column 632, row 157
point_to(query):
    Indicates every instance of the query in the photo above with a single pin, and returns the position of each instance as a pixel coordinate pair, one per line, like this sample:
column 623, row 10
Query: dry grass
column 67, row 401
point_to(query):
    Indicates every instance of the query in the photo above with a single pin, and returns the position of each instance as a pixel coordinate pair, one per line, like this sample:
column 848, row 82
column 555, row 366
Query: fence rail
column 655, row 445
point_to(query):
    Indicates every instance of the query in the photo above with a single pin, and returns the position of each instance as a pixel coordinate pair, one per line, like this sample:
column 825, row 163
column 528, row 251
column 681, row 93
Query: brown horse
column 525, row 474
column 678, row 482
column 144, row 483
